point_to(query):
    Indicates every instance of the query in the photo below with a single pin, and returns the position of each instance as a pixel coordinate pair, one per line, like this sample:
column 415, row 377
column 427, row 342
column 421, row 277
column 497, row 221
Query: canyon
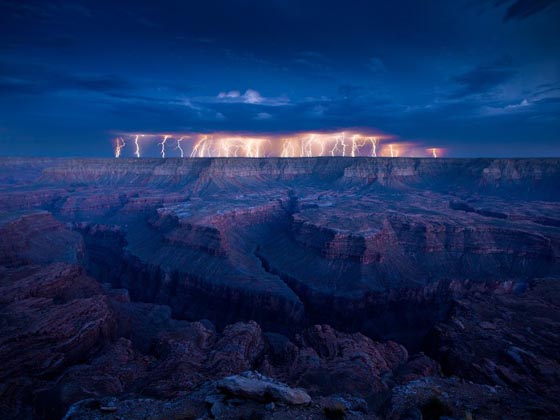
column 378, row 287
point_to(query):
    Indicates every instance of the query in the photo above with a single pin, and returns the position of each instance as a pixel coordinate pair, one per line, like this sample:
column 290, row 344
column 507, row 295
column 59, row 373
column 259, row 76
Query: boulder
column 258, row 387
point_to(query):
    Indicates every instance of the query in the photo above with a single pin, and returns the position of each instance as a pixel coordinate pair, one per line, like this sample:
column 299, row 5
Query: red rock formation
column 52, row 317
column 37, row 237
column 326, row 361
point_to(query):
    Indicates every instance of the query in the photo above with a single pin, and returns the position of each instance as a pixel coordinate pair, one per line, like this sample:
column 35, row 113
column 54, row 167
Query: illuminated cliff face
column 304, row 144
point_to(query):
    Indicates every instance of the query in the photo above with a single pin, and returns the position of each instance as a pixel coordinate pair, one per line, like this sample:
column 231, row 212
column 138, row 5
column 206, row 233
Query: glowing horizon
column 348, row 143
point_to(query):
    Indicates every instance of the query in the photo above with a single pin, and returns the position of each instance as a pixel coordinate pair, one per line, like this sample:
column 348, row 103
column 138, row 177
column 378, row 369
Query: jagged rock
column 369, row 245
column 191, row 408
column 418, row 366
column 261, row 388
column 36, row 237
column 327, row 361
column 435, row 398
column 366, row 243
column 238, row 349
column 135, row 409
column 112, row 372
column 348, row 403
column 52, row 318
column 506, row 339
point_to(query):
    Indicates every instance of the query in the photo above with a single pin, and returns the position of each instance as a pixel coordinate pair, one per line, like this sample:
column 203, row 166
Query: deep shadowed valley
column 358, row 288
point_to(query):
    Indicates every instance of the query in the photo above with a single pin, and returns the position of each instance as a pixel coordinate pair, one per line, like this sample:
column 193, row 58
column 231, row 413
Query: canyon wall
column 131, row 286
column 364, row 244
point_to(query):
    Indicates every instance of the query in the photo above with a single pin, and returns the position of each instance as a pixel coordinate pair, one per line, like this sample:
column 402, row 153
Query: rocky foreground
column 279, row 288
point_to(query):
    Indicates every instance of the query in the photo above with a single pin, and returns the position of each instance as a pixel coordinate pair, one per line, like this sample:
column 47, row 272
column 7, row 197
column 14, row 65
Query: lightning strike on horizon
column 309, row 142
column 162, row 144
column 225, row 147
column 196, row 147
column 338, row 140
column 322, row 148
column 354, row 145
column 236, row 151
column 228, row 147
column 288, row 148
column 373, row 141
column 357, row 145
column 179, row 140
column 119, row 146
column 137, row 152
column 335, row 148
column 344, row 144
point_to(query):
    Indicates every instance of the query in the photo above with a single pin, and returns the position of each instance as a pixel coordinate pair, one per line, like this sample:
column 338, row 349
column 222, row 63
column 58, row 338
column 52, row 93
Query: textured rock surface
column 37, row 237
column 66, row 337
column 258, row 387
column 509, row 340
column 376, row 241
column 434, row 398
column 327, row 361
column 52, row 317
column 131, row 288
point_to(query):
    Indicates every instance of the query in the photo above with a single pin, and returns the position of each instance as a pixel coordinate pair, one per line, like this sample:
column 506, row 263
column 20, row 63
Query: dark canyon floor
column 309, row 288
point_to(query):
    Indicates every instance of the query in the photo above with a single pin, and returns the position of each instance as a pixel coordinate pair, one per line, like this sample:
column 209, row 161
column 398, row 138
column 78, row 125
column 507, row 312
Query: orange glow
column 435, row 152
column 304, row 144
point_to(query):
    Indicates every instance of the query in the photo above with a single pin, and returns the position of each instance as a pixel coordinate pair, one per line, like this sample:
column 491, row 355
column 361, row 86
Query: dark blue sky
column 478, row 77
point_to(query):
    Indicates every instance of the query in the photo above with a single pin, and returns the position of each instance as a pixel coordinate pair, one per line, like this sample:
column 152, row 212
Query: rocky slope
column 508, row 340
column 142, row 283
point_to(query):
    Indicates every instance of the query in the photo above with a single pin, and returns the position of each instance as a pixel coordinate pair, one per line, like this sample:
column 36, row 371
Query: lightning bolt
column 307, row 146
column 162, row 144
column 354, row 145
column 236, row 150
column 335, row 147
column 179, row 140
column 284, row 152
column 312, row 140
column 196, row 151
column 322, row 145
column 224, row 146
column 288, row 149
column 119, row 146
column 357, row 145
column 345, row 144
column 137, row 152
column 373, row 141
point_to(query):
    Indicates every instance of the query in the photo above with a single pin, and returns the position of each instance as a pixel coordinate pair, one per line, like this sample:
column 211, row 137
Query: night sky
column 477, row 77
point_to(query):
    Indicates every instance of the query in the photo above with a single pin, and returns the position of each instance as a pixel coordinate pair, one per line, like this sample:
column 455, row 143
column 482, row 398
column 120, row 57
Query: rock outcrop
column 53, row 317
column 435, row 398
column 255, row 386
column 326, row 361
column 508, row 340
